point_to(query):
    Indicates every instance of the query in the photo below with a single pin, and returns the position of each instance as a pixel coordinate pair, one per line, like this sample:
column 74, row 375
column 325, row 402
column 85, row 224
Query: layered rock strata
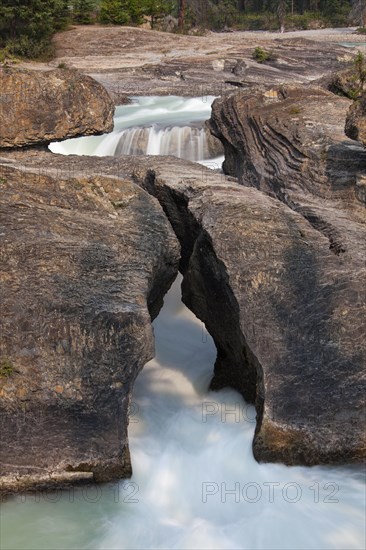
column 86, row 261
column 356, row 121
column 43, row 106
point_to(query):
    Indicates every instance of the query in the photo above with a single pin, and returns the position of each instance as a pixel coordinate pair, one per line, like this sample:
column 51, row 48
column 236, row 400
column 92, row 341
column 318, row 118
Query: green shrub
column 83, row 11
column 360, row 70
column 6, row 57
column 6, row 368
column 305, row 21
column 336, row 15
column 28, row 47
column 261, row 55
column 256, row 22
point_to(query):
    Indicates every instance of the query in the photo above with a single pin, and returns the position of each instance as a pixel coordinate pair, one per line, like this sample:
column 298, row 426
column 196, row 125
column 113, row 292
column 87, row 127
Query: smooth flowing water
column 153, row 126
column 195, row 483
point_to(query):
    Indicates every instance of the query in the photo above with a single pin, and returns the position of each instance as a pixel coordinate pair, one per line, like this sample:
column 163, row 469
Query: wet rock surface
column 43, row 106
column 86, row 261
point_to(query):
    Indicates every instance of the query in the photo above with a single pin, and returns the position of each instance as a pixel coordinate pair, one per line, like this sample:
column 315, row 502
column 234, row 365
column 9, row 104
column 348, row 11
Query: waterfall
column 185, row 142
column 153, row 126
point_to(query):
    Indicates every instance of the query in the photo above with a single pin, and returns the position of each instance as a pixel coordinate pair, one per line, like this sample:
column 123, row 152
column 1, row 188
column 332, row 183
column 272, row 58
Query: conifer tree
column 156, row 9
column 281, row 12
column 26, row 26
column 358, row 12
column 82, row 11
column 121, row 12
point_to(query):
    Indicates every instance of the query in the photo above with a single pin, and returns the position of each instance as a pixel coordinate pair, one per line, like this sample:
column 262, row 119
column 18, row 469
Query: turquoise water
column 353, row 44
column 195, row 483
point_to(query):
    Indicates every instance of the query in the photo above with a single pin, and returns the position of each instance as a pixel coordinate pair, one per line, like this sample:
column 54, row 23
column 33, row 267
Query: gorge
column 272, row 257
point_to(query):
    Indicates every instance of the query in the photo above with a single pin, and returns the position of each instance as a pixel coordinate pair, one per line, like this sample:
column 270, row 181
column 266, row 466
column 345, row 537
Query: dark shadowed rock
column 44, row 106
column 356, row 121
column 86, row 261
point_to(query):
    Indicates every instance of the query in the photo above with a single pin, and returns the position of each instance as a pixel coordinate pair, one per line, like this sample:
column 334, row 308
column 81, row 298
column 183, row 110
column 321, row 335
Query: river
column 195, row 482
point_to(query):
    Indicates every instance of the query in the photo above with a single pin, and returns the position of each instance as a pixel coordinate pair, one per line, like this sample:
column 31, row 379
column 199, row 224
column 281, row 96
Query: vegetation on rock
column 261, row 55
column 6, row 368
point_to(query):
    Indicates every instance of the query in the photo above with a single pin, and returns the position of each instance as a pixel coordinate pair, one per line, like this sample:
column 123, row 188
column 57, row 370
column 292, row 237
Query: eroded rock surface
column 289, row 142
column 287, row 314
column 273, row 263
column 44, row 106
column 87, row 257
column 356, row 121
column 130, row 61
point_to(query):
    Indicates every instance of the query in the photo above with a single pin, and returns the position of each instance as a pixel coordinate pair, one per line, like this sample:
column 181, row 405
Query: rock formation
column 346, row 83
column 356, row 121
column 285, row 311
column 86, row 261
column 130, row 61
column 289, row 142
column 273, row 258
column 44, row 106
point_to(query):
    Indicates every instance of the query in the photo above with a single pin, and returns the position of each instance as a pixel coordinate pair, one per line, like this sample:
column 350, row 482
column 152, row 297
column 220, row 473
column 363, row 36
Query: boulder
column 87, row 257
column 345, row 83
column 37, row 107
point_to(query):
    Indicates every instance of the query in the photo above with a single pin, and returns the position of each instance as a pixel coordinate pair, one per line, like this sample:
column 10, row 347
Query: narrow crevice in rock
column 175, row 206
column 275, row 299
column 206, row 291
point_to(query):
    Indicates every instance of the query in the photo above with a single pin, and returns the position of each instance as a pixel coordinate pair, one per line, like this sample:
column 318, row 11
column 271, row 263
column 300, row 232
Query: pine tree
column 27, row 26
column 156, row 9
column 82, row 11
column 121, row 12
column 281, row 12
column 182, row 7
